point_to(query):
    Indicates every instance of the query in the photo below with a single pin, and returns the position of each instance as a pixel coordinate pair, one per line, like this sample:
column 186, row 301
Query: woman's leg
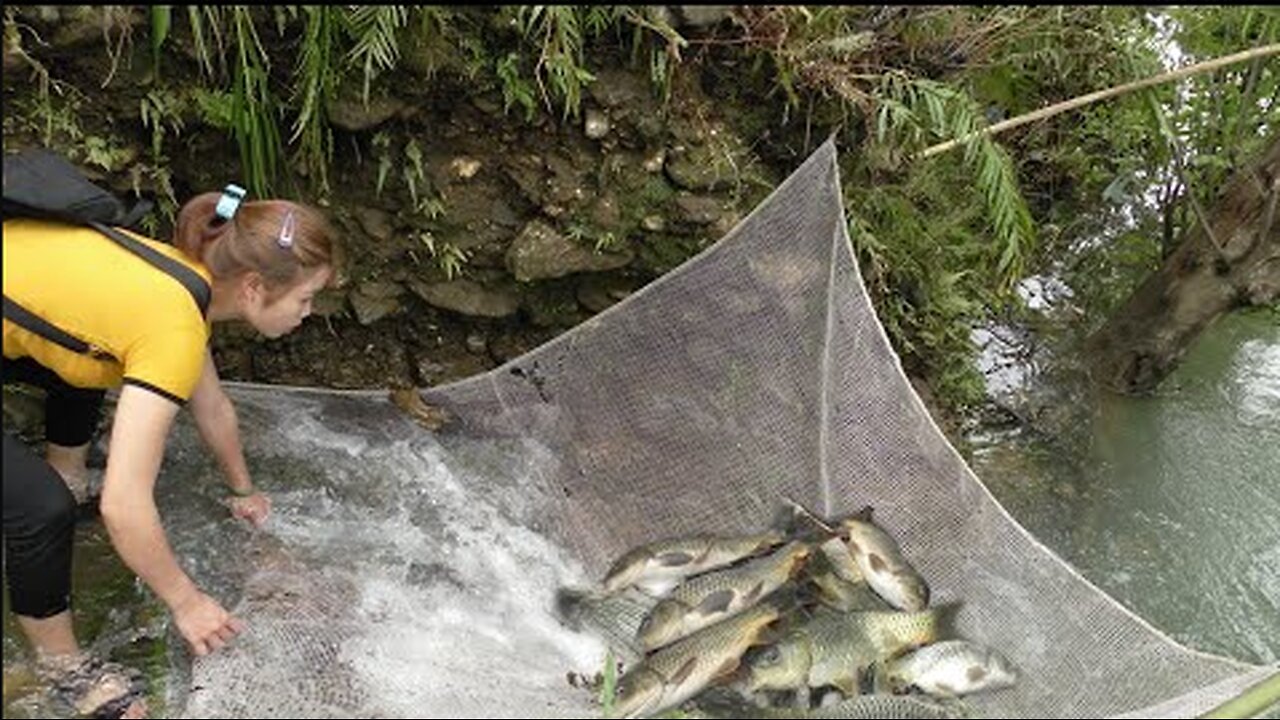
column 39, row 524
column 71, row 415
column 39, row 527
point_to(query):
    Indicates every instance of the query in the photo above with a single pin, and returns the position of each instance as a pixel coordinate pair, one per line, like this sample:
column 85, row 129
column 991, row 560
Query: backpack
column 41, row 184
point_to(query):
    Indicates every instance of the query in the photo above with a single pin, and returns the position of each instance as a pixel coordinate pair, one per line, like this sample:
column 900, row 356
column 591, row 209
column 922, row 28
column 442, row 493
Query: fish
column 614, row 617
column 838, row 594
column 656, row 568
column 836, row 648
column 715, row 596
column 859, row 707
column 685, row 668
column 949, row 668
column 841, row 561
column 883, row 565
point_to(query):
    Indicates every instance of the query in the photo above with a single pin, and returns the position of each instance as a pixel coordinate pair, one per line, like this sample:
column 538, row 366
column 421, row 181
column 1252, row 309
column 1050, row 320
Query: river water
column 1172, row 502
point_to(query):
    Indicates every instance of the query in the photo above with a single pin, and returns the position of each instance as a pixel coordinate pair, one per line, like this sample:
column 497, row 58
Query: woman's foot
column 93, row 688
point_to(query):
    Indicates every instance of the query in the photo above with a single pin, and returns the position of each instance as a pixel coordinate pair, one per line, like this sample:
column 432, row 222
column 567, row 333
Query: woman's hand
column 255, row 508
column 204, row 624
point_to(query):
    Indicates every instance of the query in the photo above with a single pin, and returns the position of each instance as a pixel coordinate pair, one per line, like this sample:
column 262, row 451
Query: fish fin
column 786, row 598
column 797, row 522
column 727, row 669
column 753, row 594
column 848, row 684
column 684, row 672
column 877, row 563
column 789, row 521
column 623, row 570
column 739, row 675
column 675, row 558
column 717, row 602
column 976, row 673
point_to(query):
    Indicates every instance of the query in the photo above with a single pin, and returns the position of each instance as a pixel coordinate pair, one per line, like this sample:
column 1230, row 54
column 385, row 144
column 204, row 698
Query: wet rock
column 85, row 24
column 474, row 215
column 654, row 162
column 429, row 370
column 566, row 186
column 650, row 127
column 615, row 87
column 598, row 292
column 727, row 222
column 377, row 224
column 554, row 306
column 539, row 253
column 464, row 168
column 506, row 347
column 329, row 303
column 349, row 111
column 476, row 344
column 596, row 124
column 700, row 168
column 489, row 103
column 375, row 300
column 700, row 16
column 449, row 363
column 468, row 297
column 528, row 173
column 605, row 213
column 698, row 209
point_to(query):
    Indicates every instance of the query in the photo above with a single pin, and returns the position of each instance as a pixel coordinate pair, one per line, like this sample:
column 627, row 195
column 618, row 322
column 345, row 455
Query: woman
column 138, row 327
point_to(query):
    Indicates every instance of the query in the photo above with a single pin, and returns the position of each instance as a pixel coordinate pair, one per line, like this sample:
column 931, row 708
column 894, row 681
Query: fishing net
column 412, row 574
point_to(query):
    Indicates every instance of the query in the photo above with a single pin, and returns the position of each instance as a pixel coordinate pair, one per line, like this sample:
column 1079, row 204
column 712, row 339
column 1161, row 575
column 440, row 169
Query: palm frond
column 315, row 79
column 373, row 30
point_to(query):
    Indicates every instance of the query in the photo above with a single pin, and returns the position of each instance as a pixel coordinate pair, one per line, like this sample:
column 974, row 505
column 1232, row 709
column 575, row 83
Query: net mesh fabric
column 755, row 371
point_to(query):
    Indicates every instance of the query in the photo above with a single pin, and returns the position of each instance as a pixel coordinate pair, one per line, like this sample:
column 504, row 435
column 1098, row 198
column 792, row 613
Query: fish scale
column 659, row 565
column 681, row 670
column 716, row 596
column 833, row 648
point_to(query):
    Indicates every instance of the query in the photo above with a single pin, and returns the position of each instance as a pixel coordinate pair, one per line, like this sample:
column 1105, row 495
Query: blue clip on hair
column 229, row 202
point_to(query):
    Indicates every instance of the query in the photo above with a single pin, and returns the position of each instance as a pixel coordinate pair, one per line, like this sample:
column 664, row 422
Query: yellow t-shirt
column 143, row 326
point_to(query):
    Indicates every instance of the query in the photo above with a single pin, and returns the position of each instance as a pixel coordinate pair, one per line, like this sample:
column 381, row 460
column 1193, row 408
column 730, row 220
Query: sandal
column 90, row 687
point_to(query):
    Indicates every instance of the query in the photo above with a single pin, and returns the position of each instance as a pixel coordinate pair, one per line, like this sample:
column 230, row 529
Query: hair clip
column 285, row 240
column 229, row 202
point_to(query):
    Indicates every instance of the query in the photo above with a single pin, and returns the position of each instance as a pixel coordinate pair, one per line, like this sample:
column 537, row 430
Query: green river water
column 1173, row 504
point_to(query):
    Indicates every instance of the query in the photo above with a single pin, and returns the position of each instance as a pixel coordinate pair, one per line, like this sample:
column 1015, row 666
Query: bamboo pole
column 1250, row 702
column 1093, row 97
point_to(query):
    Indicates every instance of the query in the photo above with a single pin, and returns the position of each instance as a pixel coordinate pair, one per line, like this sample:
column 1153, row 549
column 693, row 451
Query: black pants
column 39, row 510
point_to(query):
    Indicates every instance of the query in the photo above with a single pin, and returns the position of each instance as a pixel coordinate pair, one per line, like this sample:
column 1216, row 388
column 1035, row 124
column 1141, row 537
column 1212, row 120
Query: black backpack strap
column 190, row 279
column 32, row 323
column 134, row 216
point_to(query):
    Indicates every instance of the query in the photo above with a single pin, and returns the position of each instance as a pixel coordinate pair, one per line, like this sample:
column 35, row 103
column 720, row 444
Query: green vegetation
column 1097, row 196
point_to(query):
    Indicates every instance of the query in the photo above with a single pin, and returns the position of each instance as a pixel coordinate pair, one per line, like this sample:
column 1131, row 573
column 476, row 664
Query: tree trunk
column 1236, row 263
